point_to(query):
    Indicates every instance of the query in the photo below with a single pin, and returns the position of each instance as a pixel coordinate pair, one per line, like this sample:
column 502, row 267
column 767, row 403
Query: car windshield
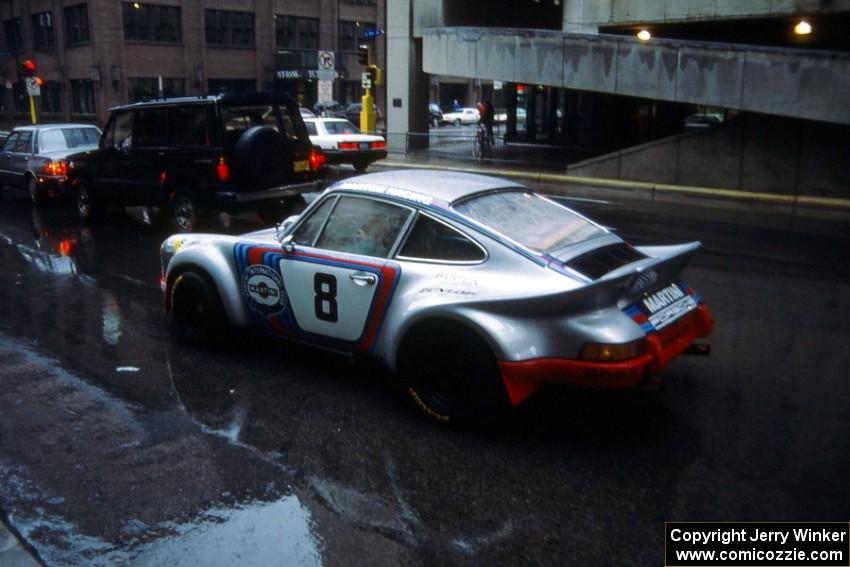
column 68, row 139
column 530, row 220
column 341, row 127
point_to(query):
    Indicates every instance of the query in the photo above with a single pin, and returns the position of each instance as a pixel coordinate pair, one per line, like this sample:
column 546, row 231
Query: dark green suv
column 193, row 156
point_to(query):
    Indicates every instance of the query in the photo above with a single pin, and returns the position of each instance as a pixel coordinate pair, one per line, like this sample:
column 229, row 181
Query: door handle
column 363, row 278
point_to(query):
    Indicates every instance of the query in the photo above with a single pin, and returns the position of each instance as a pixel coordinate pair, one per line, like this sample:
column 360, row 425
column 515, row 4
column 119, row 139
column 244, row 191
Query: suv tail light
column 317, row 159
column 55, row 168
column 222, row 170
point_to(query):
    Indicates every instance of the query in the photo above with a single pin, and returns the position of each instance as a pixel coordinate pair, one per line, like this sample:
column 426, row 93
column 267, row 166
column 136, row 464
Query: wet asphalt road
column 119, row 446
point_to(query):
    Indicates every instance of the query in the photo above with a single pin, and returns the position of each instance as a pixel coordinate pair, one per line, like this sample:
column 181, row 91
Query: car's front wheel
column 457, row 121
column 451, row 375
column 196, row 311
column 184, row 214
column 83, row 200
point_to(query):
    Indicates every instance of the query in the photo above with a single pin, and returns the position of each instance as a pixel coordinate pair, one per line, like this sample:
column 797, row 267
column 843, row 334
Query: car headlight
column 612, row 352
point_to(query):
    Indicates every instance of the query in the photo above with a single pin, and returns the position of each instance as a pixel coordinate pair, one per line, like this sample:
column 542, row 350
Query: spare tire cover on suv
column 263, row 158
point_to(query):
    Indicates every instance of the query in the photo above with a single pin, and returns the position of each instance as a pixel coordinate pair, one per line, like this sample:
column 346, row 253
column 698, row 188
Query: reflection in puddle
column 111, row 319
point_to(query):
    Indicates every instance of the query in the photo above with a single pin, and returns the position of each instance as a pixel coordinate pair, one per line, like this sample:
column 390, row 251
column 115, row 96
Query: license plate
column 301, row 165
column 364, row 146
column 666, row 305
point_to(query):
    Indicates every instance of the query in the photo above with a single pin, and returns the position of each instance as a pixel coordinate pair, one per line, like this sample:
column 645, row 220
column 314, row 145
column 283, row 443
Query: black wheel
column 361, row 166
column 184, row 214
column 451, row 375
column 275, row 213
column 457, row 122
column 36, row 194
column 83, row 200
column 196, row 310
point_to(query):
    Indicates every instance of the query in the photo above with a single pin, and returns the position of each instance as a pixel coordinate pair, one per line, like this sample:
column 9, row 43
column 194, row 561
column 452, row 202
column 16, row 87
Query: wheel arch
column 215, row 268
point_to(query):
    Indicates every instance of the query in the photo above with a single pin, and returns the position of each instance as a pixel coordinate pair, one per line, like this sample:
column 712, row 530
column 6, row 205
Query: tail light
column 55, row 168
column 222, row 170
column 348, row 145
column 317, row 159
column 604, row 352
column 381, row 145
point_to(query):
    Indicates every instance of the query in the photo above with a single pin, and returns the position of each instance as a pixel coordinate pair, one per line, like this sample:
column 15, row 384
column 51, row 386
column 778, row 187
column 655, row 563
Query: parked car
column 462, row 116
column 194, row 155
column 475, row 290
column 33, row 157
column 435, row 114
column 306, row 112
column 329, row 109
column 352, row 112
column 342, row 142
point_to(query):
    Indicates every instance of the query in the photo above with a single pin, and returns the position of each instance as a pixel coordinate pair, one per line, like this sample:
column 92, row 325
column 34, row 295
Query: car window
column 309, row 229
column 534, row 222
column 9, row 144
column 430, row 239
column 192, row 125
column 151, row 129
column 23, row 143
column 341, row 127
column 67, row 139
column 363, row 226
column 120, row 131
column 311, row 128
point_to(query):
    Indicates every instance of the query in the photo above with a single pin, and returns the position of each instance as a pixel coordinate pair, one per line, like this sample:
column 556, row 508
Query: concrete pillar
column 407, row 84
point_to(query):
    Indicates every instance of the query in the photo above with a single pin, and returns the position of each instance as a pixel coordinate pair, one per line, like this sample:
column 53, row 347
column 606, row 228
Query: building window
column 14, row 38
column 76, row 25
column 150, row 22
column 350, row 34
column 51, row 97
column 141, row 88
column 82, row 96
column 217, row 86
column 42, row 29
column 297, row 33
column 229, row 29
column 361, row 2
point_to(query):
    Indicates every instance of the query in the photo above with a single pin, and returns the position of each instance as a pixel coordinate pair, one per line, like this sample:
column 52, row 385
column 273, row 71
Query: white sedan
column 342, row 142
column 462, row 116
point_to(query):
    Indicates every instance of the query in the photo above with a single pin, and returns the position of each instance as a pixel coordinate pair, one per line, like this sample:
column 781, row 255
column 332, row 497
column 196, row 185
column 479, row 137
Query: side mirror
column 283, row 227
column 288, row 243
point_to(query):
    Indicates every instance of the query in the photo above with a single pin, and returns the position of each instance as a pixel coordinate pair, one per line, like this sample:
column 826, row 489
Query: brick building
column 95, row 54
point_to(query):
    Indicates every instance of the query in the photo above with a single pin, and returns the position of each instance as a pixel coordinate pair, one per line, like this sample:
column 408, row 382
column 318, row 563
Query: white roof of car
column 448, row 186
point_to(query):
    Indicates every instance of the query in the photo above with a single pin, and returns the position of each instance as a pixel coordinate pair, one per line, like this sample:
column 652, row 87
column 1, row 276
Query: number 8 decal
column 325, row 301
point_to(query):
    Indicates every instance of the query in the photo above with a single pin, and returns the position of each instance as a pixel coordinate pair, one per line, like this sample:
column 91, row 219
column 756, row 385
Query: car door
column 6, row 158
column 145, row 160
column 108, row 169
column 335, row 282
column 20, row 157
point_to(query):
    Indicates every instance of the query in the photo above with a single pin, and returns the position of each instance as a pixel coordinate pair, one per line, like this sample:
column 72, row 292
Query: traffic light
column 363, row 54
column 27, row 68
column 375, row 75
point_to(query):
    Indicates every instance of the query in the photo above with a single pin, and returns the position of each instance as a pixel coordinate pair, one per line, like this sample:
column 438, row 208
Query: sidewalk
column 12, row 553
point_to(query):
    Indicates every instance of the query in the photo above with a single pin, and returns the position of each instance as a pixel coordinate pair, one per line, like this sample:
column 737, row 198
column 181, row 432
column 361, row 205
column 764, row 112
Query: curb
column 710, row 192
column 12, row 553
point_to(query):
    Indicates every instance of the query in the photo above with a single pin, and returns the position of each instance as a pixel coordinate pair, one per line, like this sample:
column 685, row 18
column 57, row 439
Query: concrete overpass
column 797, row 83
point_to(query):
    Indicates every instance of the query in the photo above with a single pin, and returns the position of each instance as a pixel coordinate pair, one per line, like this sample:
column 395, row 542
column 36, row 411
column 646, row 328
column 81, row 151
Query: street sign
column 326, row 60
column 326, row 74
column 370, row 33
column 326, row 91
column 32, row 87
column 366, row 81
column 497, row 85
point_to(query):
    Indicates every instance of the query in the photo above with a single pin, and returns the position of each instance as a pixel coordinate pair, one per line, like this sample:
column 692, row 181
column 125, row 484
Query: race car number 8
column 325, row 301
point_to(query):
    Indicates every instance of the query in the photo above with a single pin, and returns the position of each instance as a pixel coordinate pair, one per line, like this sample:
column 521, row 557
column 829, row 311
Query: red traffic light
column 27, row 68
column 39, row 81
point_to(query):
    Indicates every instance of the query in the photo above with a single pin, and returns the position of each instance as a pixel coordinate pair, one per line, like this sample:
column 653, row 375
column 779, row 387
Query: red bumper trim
column 523, row 378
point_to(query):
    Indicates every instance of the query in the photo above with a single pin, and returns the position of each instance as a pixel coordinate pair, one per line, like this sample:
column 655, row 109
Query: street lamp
column 803, row 28
column 644, row 35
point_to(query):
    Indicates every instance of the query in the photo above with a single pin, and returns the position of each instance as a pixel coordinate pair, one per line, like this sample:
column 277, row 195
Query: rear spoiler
column 664, row 265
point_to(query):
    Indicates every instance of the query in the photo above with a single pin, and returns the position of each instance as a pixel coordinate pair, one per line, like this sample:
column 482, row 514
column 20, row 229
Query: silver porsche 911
column 474, row 290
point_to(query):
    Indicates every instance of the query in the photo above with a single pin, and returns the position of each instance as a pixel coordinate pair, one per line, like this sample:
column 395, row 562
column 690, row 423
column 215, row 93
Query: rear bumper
column 523, row 378
column 53, row 186
column 238, row 200
column 351, row 156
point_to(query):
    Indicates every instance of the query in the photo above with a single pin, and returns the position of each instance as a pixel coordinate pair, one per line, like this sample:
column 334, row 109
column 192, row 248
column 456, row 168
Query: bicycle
column 482, row 149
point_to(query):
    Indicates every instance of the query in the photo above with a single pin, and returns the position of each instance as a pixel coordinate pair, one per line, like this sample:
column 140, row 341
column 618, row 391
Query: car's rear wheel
column 451, row 375
column 83, row 200
column 196, row 311
column 36, row 194
column 457, row 121
column 184, row 213
column 277, row 212
column 361, row 166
